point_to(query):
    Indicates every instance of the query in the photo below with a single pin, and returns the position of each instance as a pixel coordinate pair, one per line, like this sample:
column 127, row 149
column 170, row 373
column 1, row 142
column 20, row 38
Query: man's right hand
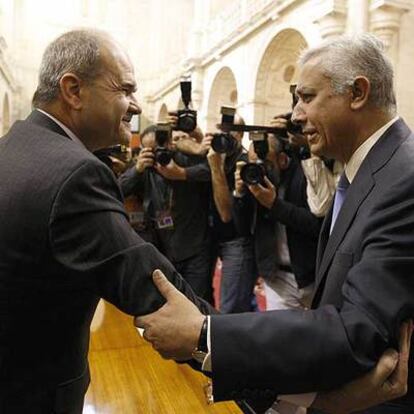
column 145, row 159
column 385, row 382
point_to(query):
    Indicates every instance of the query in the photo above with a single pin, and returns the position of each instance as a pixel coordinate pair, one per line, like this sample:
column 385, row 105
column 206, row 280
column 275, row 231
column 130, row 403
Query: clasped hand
column 174, row 329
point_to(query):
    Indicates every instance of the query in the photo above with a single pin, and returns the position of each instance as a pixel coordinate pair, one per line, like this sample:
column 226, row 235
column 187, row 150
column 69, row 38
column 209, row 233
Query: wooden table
column 129, row 377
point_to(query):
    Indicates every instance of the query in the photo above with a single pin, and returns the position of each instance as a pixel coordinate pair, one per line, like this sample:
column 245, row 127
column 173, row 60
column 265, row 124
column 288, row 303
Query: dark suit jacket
column 365, row 289
column 65, row 242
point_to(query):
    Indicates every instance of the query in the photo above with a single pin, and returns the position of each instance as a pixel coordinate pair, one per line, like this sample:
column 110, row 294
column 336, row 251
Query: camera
column 255, row 172
column 291, row 127
column 162, row 153
column 187, row 118
column 224, row 142
column 302, row 152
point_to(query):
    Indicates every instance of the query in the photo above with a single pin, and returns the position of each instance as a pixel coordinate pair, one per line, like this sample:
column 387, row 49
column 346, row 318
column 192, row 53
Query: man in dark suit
column 65, row 239
column 364, row 287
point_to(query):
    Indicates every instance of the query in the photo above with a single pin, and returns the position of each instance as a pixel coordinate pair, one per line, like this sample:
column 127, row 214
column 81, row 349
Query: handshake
column 174, row 332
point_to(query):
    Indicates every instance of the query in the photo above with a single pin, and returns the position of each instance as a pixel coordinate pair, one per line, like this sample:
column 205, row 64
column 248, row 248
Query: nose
column 133, row 105
column 298, row 114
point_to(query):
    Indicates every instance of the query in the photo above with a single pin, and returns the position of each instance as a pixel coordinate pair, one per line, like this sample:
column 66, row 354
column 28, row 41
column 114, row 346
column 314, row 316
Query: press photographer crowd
column 204, row 196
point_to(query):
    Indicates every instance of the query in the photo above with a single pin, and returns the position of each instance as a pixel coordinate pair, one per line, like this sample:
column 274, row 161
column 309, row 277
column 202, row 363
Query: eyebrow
column 304, row 90
column 132, row 86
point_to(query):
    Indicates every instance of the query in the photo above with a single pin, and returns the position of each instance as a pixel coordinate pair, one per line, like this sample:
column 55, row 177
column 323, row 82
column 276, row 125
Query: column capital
column 332, row 20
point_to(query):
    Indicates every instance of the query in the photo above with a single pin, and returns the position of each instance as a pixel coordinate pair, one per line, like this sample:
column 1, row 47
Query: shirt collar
column 352, row 167
column 68, row 132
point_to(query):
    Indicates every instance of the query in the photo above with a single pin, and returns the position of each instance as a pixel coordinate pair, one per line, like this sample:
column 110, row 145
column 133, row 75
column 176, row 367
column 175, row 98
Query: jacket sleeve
column 92, row 241
column 286, row 352
column 131, row 182
column 298, row 218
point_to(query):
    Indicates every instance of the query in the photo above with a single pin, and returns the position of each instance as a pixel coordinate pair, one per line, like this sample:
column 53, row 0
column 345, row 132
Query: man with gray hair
column 66, row 240
column 365, row 262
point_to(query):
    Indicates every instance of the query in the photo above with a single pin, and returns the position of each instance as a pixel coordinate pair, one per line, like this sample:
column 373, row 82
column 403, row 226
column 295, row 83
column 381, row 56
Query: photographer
column 177, row 209
column 234, row 247
column 285, row 232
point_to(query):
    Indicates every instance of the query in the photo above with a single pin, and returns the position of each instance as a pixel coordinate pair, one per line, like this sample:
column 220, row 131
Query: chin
column 316, row 150
column 124, row 139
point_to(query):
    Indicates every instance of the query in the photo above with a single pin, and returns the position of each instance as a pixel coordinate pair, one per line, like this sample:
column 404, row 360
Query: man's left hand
column 174, row 329
column 265, row 195
column 171, row 171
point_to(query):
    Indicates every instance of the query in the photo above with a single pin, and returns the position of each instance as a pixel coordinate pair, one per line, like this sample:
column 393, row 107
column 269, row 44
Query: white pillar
column 358, row 16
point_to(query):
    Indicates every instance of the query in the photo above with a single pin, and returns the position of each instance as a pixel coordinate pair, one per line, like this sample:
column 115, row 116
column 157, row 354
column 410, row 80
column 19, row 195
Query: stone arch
column 162, row 113
column 6, row 114
column 223, row 92
column 276, row 71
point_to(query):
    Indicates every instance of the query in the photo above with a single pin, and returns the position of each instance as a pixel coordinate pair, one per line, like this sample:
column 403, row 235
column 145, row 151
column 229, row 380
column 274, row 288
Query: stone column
column 332, row 21
column 358, row 16
column 385, row 20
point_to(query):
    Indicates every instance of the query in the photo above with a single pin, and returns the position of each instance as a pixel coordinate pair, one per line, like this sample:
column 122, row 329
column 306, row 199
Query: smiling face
column 109, row 101
column 326, row 117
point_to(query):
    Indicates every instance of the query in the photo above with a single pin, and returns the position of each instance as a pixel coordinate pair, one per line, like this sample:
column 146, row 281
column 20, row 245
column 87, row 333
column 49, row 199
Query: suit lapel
column 356, row 194
column 323, row 238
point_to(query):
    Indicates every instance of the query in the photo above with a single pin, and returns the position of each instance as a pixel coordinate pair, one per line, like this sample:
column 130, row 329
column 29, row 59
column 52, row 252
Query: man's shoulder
column 43, row 156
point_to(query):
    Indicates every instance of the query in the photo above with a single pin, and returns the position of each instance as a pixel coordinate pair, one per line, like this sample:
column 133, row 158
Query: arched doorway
column 223, row 93
column 277, row 71
column 6, row 114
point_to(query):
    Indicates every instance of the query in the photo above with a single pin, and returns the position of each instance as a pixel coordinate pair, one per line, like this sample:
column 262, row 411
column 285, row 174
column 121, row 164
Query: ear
column 70, row 90
column 360, row 92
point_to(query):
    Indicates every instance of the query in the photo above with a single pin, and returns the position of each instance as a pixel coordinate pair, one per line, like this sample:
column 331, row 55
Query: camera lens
column 223, row 143
column 293, row 128
column 163, row 156
column 253, row 173
column 187, row 120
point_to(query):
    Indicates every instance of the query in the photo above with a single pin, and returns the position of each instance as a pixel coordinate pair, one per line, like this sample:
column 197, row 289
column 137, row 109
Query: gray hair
column 77, row 52
column 346, row 57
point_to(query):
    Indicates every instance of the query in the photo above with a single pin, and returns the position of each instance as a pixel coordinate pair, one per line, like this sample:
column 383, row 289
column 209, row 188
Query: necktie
column 339, row 198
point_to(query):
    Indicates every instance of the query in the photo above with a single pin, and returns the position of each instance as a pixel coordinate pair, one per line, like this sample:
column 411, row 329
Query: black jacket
column 302, row 227
column 65, row 241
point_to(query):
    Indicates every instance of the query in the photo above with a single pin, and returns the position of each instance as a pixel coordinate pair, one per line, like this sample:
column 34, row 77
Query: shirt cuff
column 206, row 366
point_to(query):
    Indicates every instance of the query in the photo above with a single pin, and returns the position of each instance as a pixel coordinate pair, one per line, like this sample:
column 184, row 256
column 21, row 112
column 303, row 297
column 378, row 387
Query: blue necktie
column 340, row 194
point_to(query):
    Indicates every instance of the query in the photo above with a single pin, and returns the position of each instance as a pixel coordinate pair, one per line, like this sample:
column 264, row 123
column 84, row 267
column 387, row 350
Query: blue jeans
column 238, row 275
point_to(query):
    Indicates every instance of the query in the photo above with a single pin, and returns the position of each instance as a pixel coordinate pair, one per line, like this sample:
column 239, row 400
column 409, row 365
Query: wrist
column 200, row 351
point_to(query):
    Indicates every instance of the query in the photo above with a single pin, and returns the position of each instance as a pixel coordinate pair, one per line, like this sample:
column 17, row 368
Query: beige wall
column 167, row 39
column 404, row 69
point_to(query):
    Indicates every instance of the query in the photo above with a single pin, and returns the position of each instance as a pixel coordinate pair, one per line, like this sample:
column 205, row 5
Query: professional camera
column 292, row 127
column 187, row 118
column 162, row 153
column 255, row 172
column 301, row 152
column 224, row 142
